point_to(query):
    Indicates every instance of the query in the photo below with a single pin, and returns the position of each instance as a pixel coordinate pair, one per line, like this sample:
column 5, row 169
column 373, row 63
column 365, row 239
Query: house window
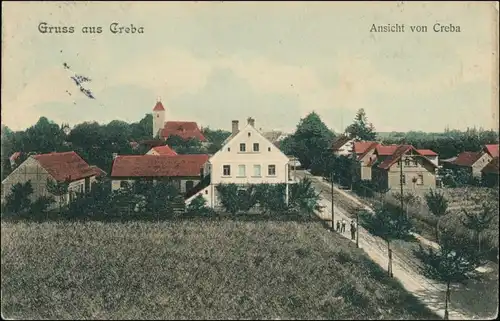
column 256, row 170
column 420, row 179
column 271, row 170
column 415, row 162
column 189, row 185
column 269, row 149
column 243, row 147
column 229, row 149
column 226, row 170
column 255, row 147
column 407, row 162
column 249, row 134
column 403, row 179
column 241, row 170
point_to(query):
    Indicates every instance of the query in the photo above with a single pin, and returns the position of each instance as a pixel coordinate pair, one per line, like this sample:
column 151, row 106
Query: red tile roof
column 387, row 150
column 367, row 150
column 492, row 149
column 164, row 150
column 398, row 153
column 339, row 141
column 426, row 152
column 158, row 107
column 183, row 129
column 492, row 167
column 67, row 165
column 361, row 147
column 467, row 158
column 158, row 166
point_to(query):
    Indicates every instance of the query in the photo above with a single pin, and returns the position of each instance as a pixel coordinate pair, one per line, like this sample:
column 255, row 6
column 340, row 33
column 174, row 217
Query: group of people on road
column 341, row 225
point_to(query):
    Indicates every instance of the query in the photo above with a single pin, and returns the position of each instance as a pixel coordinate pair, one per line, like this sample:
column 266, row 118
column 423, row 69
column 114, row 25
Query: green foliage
column 216, row 138
column 185, row 146
column 438, row 205
column 310, row 140
column 365, row 188
column 387, row 222
column 454, row 261
column 18, row 200
column 229, row 197
column 40, row 207
column 360, row 129
column 478, row 221
column 198, row 207
column 303, row 198
column 58, row 189
column 271, row 198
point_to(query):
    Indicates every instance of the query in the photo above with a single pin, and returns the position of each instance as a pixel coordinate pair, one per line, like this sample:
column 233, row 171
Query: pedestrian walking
column 338, row 225
column 353, row 231
column 342, row 230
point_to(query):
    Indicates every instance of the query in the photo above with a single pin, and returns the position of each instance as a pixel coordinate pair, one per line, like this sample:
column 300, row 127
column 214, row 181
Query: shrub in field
column 387, row 223
column 229, row 197
column 455, row 261
column 18, row 200
column 438, row 205
column 198, row 207
column 303, row 198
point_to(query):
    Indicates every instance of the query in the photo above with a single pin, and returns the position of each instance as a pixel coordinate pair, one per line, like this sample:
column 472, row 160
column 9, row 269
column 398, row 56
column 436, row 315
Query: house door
column 189, row 185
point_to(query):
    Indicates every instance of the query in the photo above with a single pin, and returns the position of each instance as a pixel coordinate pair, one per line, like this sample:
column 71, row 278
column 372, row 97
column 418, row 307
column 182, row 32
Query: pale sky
column 213, row 62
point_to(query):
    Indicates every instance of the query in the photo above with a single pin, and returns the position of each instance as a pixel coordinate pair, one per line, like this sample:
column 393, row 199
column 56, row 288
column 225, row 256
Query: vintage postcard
column 250, row 160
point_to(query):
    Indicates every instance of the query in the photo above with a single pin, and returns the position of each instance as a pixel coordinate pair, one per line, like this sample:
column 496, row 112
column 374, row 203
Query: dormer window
column 243, row 147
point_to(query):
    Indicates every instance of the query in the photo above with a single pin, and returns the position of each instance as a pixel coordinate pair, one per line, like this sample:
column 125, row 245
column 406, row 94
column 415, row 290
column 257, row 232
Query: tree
column 438, row 205
column 216, row 138
column 454, row 261
column 478, row 221
column 185, row 146
column 41, row 206
column 18, row 200
column 58, row 189
column 360, row 129
column 229, row 197
column 387, row 223
column 311, row 139
column 161, row 199
column 408, row 199
column 303, row 198
column 198, row 207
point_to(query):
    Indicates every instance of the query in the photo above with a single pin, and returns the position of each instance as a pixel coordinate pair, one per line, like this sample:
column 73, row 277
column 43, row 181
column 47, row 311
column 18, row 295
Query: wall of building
column 480, row 164
column 231, row 155
column 180, row 183
column 417, row 166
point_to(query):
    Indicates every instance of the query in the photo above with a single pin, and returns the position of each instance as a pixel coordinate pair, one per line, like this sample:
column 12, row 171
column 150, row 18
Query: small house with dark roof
column 490, row 173
column 184, row 171
column 59, row 167
column 342, row 145
column 405, row 166
column 472, row 162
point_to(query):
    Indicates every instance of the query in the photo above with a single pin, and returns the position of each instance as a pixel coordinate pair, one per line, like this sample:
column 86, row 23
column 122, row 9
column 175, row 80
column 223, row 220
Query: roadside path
column 429, row 292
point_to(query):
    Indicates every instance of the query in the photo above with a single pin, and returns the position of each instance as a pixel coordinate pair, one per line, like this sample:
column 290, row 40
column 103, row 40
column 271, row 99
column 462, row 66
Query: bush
column 198, row 207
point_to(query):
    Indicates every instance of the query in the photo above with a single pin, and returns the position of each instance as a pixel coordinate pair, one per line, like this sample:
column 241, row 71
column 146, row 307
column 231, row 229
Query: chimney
column 235, row 128
column 251, row 121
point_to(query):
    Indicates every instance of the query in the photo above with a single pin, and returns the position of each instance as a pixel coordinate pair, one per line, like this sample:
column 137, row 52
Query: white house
column 343, row 146
column 246, row 157
column 59, row 167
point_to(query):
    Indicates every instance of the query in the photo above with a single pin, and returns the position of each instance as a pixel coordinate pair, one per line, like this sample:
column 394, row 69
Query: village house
column 183, row 129
column 406, row 166
column 491, row 149
column 490, row 173
column 342, row 145
column 59, row 167
column 430, row 154
column 471, row 162
column 161, row 150
column 184, row 171
column 246, row 157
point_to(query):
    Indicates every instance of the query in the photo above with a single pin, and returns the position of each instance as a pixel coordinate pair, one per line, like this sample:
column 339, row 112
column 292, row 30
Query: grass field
column 199, row 269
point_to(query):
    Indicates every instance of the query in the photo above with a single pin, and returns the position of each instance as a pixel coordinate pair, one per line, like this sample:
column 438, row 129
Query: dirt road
column 428, row 291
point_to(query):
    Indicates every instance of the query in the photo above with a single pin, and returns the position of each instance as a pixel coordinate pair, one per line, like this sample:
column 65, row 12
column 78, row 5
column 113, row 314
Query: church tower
column 158, row 118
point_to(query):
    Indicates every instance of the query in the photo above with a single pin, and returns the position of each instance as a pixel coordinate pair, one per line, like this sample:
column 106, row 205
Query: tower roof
column 159, row 107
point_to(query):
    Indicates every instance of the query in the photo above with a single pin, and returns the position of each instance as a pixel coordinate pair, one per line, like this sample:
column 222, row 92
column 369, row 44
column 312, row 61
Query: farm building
column 185, row 171
column 58, row 167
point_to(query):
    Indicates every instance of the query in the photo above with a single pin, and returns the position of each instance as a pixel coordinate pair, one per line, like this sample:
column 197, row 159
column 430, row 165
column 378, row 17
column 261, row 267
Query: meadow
column 193, row 269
